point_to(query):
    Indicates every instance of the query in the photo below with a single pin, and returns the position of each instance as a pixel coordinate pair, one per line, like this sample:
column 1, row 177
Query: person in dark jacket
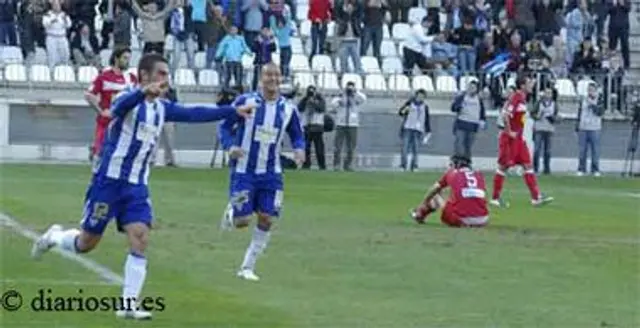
column 8, row 11
column 264, row 46
column 314, row 108
column 619, row 27
column 348, row 33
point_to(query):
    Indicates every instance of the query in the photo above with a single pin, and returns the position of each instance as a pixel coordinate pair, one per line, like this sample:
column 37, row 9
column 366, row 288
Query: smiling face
column 271, row 79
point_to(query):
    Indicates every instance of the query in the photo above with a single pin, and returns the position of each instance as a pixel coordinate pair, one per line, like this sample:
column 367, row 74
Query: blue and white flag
column 497, row 65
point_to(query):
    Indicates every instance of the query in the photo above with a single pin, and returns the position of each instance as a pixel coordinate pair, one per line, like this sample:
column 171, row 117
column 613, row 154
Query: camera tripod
column 632, row 146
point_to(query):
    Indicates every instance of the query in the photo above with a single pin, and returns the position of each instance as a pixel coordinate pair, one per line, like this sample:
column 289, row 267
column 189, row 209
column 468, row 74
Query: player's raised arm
column 126, row 101
column 175, row 112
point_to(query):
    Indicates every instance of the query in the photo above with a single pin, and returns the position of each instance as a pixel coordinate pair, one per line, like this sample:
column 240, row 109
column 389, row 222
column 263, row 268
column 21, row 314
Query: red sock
column 532, row 182
column 498, row 182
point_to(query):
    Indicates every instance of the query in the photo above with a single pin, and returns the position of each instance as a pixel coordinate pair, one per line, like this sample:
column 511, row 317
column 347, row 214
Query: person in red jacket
column 319, row 14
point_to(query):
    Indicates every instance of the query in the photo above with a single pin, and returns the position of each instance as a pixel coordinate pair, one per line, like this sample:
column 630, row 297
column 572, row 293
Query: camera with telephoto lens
column 350, row 89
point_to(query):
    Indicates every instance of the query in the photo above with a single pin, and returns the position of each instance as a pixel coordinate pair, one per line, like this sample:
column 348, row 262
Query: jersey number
column 472, row 182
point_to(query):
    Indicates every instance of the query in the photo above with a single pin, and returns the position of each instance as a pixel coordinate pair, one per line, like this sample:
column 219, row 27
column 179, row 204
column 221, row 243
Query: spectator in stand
column 231, row 11
column 558, row 54
column 589, row 125
column 153, row 27
column 585, row 60
column 599, row 10
column 545, row 114
column 121, row 25
column 456, row 14
column 230, row 51
column 502, row 32
column 181, row 28
column 320, row 15
column 613, row 83
column 198, row 20
column 83, row 11
column 487, row 52
column 348, row 32
column 465, row 39
column 415, row 128
column 546, row 18
column 524, row 19
column 481, row 17
column 217, row 26
column 37, row 8
column 283, row 27
column 399, row 11
column 8, row 11
column 516, row 49
column 374, row 18
column 84, row 47
column 433, row 11
column 253, row 12
column 579, row 27
column 470, row 118
column 264, row 46
column 56, row 23
column 619, row 27
column 444, row 56
column 414, row 50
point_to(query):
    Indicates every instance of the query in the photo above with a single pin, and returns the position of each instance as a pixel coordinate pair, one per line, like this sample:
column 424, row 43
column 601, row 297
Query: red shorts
column 513, row 151
column 98, row 137
column 451, row 218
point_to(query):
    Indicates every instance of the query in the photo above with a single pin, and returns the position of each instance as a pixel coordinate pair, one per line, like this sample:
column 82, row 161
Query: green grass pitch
column 344, row 254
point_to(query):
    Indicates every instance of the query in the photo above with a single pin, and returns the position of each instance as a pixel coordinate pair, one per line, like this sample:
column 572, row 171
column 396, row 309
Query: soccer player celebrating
column 118, row 187
column 466, row 206
column 513, row 148
column 253, row 144
column 108, row 83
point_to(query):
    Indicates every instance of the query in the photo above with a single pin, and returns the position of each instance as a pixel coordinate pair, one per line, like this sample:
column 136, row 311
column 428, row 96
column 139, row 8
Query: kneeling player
column 466, row 206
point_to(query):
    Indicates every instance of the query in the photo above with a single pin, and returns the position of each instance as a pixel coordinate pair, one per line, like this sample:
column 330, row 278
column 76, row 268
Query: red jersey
column 468, row 188
column 109, row 83
column 517, row 110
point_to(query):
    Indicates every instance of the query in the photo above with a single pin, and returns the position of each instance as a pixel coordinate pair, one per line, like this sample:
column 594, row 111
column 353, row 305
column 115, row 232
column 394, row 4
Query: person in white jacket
column 56, row 23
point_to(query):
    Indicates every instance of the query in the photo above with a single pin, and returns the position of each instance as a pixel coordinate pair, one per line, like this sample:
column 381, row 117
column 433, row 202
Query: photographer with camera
column 545, row 115
column 313, row 107
column 415, row 129
column 589, row 126
column 347, row 108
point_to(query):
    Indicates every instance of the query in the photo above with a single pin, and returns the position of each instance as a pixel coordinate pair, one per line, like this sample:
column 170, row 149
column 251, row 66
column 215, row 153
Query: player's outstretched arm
column 126, row 101
column 175, row 112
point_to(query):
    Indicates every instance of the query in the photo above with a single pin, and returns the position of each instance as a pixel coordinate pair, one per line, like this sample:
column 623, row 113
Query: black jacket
column 343, row 18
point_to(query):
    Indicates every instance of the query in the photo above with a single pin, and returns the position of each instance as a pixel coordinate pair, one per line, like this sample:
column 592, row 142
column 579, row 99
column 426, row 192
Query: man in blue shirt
column 254, row 144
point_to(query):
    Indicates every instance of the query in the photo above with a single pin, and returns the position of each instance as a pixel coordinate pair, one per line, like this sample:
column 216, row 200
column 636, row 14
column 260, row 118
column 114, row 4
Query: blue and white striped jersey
column 134, row 130
column 261, row 135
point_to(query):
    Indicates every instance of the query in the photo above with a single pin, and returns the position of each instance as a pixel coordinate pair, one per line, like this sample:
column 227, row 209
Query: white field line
column 105, row 273
column 52, row 282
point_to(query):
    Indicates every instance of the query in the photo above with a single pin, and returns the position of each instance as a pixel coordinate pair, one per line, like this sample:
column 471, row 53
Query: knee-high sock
column 256, row 247
column 498, row 182
column 532, row 183
column 135, row 272
column 66, row 239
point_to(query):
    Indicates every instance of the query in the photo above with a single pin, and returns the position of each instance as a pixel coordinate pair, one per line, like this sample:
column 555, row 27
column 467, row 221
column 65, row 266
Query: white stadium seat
column 135, row 43
column 375, row 82
column 208, row 78
column 200, row 59
column 386, row 34
column 565, row 88
column 583, row 87
column 64, row 73
column 399, row 82
column 446, row 83
column 15, row 72
column 302, row 9
column 416, row 14
column 10, row 55
column 388, row 49
column 350, row 77
column 185, row 77
column 321, row 63
column 400, row 30
column 86, row 74
column 40, row 56
column 423, row 82
column 40, row 73
column 370, row 64
column 331, row 29
column 168, row 42
column 296, row 46
column 276, row 58
column 105, row 55
column 305, row 28
column 304, row 79
column 247, row 62
column 511, row 81
column 392, row 65
column 135, row 58
column 299, row 63
column 328, row 81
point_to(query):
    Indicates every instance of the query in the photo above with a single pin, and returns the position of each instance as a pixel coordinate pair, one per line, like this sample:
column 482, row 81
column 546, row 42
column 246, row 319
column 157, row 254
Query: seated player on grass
column 466, row 206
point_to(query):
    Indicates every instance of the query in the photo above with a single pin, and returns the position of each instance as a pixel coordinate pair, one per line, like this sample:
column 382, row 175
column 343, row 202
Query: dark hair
column 148, row 62
column 460, row 160
column 117, row 53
